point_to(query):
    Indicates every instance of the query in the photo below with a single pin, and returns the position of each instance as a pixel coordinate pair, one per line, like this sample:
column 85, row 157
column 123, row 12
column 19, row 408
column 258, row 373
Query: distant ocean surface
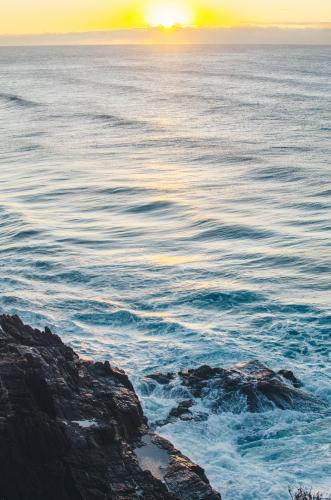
column 168, row 207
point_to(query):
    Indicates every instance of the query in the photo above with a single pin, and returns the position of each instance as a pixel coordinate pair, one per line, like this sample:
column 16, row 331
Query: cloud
column 317, row 34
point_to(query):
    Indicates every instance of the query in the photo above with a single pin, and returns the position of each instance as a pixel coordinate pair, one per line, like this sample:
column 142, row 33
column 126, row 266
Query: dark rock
column 183, row 410
column 161, row 378
column 249, row 386
column 289, row 375
column 75, row 430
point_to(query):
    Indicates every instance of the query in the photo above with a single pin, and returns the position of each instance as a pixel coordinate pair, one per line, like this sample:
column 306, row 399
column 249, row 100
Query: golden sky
column 59, row 16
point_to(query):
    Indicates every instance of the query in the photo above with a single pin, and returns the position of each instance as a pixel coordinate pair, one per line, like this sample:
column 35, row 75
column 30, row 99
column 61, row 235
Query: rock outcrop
column 75, row 430
column 249, row 386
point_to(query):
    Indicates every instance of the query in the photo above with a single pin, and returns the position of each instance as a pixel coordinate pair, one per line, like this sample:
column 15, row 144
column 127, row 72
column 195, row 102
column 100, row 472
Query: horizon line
column 297, row 34
column 321, row 25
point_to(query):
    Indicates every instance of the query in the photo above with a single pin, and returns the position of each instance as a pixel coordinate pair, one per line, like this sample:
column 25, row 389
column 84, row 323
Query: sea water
column 166, row 207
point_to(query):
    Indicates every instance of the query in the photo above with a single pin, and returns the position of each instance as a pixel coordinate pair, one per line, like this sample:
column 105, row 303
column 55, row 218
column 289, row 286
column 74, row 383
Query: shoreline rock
column 248, row 386
column 72, row 429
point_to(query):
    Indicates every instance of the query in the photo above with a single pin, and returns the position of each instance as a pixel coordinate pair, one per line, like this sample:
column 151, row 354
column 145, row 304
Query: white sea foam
column 86, row 424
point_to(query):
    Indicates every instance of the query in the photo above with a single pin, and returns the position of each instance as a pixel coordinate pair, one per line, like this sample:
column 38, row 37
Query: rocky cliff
column 75, row 430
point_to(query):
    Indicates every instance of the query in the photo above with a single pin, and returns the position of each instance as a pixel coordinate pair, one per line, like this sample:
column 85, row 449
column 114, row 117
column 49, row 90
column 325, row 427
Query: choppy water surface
column 170, row 207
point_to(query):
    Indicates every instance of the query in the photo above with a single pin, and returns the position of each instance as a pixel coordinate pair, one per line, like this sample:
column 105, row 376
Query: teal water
column 166, row 207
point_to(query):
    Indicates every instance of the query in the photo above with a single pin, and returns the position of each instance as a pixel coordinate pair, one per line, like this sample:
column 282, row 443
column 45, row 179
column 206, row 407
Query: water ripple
column 172, row 213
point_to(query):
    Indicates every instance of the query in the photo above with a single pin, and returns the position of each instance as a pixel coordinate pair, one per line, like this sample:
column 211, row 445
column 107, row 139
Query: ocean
column 165, row 207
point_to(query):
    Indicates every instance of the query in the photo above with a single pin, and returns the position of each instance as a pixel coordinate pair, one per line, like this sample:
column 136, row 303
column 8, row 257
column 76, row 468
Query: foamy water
column 166, row 207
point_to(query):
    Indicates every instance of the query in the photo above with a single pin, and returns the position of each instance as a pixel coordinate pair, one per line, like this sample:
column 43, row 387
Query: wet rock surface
column 249, row 386
column 72, row 429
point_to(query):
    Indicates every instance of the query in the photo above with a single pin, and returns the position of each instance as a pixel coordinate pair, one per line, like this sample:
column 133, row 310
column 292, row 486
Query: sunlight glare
column 169, row 14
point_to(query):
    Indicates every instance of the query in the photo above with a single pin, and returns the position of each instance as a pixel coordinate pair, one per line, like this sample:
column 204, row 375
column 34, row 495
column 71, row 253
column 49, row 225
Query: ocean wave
column 154, row 206
column 117, row 121
column 233, row 232
column 288, row 173
column 125, row 190
column 18, row 101
column 220, row 300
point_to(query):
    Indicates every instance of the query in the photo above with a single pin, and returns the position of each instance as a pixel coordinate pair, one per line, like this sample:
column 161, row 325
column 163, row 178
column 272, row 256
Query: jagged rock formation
column 75, row 430
column 249, row 386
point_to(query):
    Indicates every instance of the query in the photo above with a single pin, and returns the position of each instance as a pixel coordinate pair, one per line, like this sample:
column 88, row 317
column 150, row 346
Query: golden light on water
column 169, row 14
column 173, row 260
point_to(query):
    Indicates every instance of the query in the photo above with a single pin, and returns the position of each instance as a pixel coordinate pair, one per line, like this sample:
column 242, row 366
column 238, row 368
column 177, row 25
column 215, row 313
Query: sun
column 169, row 14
